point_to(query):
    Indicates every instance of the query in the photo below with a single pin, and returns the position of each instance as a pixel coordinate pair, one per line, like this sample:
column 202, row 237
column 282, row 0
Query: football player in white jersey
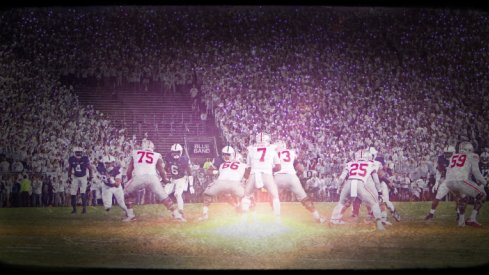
column 231, row 172
column 440, row 186
column 286, row 178
column 460, row 170
column 358, row 172
column 143, row 171
column 262, row 160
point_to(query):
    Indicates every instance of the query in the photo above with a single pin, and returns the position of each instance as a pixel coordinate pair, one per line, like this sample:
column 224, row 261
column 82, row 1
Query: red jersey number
column 362, row 168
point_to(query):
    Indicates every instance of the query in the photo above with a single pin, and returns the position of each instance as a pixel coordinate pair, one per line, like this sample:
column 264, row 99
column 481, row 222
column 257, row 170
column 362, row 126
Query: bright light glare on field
column 252, row 230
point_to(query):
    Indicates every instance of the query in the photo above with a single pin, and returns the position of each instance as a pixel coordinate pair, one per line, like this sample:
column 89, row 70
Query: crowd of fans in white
column 327, row 80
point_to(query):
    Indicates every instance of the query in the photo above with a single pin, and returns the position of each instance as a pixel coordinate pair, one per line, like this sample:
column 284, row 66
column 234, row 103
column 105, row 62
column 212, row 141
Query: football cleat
column 430, row 216
column 380, row 226
column 336, row 221
column 473, row 223
column 74, row 211
column 203, row 218
column 129, row 218
column 178, row 217
column 321, row 219
column 396, row 216
column 461, row 223
column 386, row 223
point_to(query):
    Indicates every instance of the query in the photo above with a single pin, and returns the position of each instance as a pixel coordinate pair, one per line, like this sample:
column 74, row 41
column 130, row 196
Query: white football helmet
column 448, row 151
column 228, row 153
column 366, row 155
column 485, row 157
column 147, row 145
column 78, row 151
column 262, row 138
column 357, row 155
column 239, row 157
column 108, row 159
column 373, row 151
column 465, row 147
column 176, row 150
column 280, row 145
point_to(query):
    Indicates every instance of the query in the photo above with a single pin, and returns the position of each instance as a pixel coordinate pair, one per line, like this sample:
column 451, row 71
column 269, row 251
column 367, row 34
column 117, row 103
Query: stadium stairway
column 167, row 119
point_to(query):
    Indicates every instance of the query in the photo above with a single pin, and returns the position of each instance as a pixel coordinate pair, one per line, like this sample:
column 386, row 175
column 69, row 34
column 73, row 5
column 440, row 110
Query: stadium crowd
column 328, row 81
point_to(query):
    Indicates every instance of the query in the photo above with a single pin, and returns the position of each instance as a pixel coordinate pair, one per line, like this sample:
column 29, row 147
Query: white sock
column 276, row 207
column 245, row 203
column 130, row 212
column 461, row 218
column 316, row 215
column 432, row 211
column 205, row 210
column 473, row 216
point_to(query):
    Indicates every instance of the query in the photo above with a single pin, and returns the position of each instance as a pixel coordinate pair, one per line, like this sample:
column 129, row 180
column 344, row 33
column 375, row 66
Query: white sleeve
column 474, row 161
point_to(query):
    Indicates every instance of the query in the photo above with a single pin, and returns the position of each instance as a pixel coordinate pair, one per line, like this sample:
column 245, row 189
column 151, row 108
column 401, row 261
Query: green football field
column 53, row 238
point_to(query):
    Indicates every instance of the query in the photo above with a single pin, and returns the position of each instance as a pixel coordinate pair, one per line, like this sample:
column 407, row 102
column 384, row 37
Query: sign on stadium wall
column 201, row 149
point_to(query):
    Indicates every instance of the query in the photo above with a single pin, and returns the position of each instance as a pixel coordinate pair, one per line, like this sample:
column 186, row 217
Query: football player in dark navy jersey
column 80, row 168
column 484, row 167
column 177, row 166
column 111, row 178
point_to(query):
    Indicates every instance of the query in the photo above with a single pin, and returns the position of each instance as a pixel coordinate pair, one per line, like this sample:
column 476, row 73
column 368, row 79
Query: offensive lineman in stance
column 440, row 186
column 460, row 170
column 287, row 178
column 263, row 161
column 358, row 172
column 146, row 164
column 231, row 172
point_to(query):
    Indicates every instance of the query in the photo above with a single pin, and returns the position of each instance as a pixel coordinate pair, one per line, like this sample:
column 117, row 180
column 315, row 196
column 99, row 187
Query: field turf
column 52, row 238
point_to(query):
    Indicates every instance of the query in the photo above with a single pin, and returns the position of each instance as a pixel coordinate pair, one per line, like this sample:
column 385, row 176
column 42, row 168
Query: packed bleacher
column 327, row 80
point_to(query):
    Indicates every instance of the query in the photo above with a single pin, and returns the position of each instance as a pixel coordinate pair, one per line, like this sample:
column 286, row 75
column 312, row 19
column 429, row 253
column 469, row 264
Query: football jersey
column 376, row 166
column 484, row 168
column 442, row 165
column 145, row 162
column 176, row 168
column 262, row 159
column 359, row 169
column 108, row 178
column 80, row 165
column 287, row 158
column 463, row 166
column 231, row 170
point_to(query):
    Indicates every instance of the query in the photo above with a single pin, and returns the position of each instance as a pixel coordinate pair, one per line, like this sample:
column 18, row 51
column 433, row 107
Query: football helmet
column 78, row 151
column 176, row 150
column 228, row 153
column 465, row 147
column 485, row 157
column 357, row 155
column 448, row 151
column 367, row 155
column 373, row 151
column 262, row 138
column 239, row 157
column 147, row 145
column 280, row 145
column 108, row 162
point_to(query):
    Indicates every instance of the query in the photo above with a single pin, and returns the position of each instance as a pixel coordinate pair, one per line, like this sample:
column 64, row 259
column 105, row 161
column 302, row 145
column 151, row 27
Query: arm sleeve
column 475, row 170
